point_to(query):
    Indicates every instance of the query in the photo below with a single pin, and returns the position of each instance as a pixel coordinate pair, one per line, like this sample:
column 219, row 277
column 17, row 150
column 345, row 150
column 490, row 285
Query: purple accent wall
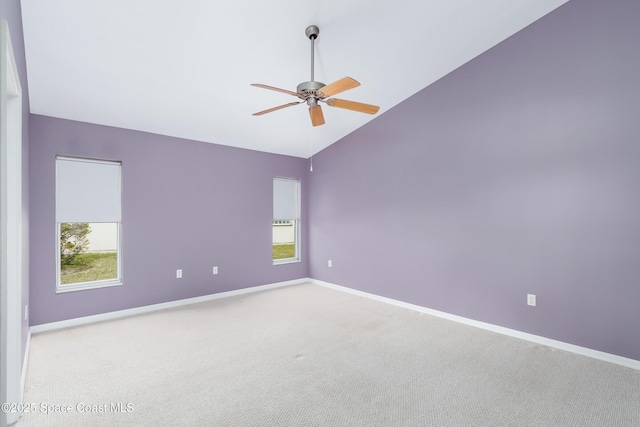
column 186, row 204
column 517, row 173
column 10, row 12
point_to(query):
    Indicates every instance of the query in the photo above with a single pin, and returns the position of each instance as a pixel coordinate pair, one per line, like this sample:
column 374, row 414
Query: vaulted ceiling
column 184, row 68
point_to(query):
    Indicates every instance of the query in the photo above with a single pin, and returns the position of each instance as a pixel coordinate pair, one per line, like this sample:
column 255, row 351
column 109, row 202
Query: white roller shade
column 285, row 199
column 87, row 190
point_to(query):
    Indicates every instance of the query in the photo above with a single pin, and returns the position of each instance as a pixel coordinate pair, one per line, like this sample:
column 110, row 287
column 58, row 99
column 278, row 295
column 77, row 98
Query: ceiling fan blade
column 341, row 85
column 351, row 105
column 317, row 118
column 277, row 89
column 280, row 107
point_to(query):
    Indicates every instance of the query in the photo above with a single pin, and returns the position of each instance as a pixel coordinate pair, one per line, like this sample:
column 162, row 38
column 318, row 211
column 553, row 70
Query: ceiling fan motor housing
column 309, row 89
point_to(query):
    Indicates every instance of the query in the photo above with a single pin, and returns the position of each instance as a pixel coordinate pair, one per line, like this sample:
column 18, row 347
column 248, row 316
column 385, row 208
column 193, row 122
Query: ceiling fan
column 313, row 92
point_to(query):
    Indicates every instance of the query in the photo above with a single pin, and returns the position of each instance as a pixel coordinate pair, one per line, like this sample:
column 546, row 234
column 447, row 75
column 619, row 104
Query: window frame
column 94, row 284
column 296, row 223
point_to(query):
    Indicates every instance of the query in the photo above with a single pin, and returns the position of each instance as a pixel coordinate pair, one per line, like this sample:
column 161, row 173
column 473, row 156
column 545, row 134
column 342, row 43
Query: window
column 286, row 220
column 88, row 222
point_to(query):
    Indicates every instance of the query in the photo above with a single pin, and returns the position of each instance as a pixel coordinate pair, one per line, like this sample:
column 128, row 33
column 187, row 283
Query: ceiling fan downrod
column 312, row 32
column 308, row 90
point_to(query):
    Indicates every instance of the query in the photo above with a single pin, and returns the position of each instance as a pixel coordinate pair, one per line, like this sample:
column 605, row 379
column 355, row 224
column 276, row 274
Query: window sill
column 60, row 289
column 285, row 261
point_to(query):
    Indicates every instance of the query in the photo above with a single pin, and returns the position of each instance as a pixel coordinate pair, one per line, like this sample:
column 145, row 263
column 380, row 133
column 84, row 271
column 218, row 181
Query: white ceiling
column 184, row 68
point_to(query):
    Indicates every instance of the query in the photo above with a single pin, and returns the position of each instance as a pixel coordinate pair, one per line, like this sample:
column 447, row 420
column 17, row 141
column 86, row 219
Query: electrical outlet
column 531, row 300
column 329, row 263
column 179, row 274
column 215, row 270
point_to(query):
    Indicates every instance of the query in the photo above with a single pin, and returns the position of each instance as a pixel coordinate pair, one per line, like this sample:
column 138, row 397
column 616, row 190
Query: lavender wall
column 186, row 205
column 517, row 173
column 10, row 12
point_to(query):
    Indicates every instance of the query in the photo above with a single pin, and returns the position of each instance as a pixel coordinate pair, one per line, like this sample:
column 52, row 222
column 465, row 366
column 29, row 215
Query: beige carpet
column 311, row 356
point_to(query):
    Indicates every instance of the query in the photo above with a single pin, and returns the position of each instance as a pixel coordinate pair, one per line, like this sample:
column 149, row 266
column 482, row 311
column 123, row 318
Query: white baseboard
column 45, row 327
column 595, row 354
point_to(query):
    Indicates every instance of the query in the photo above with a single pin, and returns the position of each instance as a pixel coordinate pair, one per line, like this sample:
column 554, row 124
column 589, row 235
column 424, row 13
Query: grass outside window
column 284, row 250
column 90, row 267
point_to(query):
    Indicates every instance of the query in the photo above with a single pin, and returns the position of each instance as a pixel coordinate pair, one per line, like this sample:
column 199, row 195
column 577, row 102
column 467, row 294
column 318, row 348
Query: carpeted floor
column 306, row 356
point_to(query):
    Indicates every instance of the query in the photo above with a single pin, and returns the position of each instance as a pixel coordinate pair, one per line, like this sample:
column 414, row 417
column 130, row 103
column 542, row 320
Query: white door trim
column 11, row 228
